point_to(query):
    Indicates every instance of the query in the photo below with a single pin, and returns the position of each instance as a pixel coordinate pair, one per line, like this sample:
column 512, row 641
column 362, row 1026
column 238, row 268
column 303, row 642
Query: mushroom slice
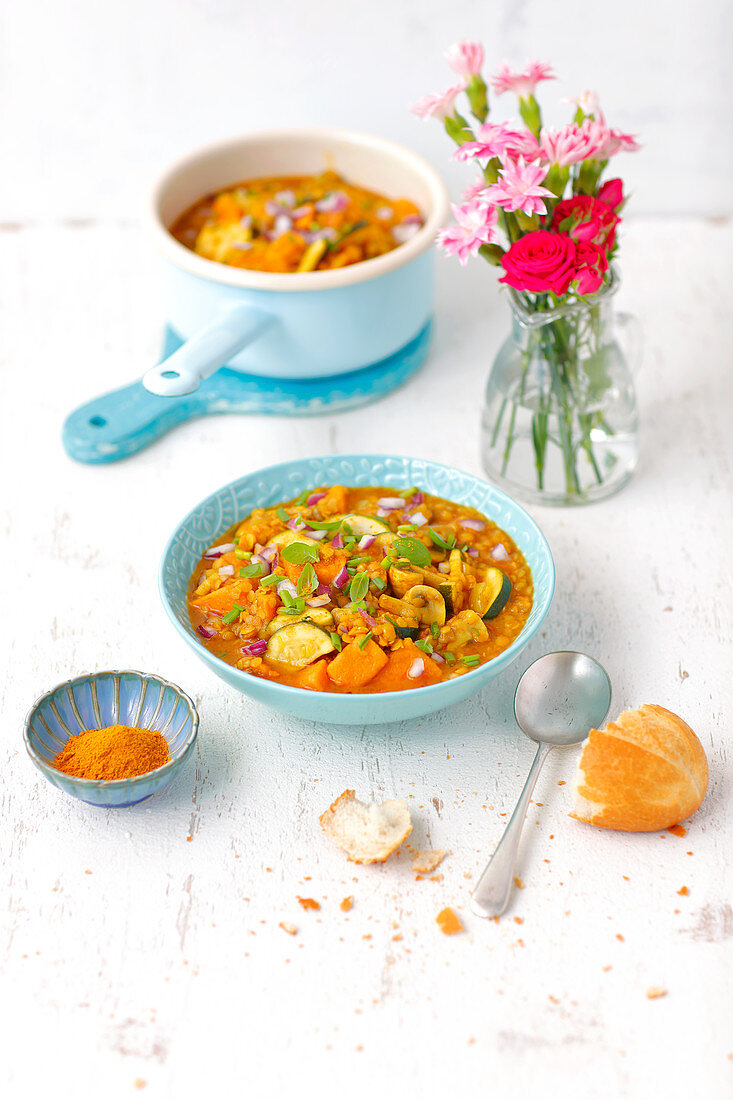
column 463, row 628
column 427, row 603
column 402, row 580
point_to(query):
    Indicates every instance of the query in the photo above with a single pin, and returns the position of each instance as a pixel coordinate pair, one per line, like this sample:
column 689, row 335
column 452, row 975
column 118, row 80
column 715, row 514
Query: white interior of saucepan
column 363, row 159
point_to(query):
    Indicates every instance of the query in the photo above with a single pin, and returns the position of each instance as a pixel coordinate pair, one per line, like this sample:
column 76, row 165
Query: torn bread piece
column 427, row 861
column 367, row 831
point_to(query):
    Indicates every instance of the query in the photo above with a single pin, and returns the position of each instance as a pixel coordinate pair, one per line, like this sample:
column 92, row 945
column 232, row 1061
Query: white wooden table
column 141, row 948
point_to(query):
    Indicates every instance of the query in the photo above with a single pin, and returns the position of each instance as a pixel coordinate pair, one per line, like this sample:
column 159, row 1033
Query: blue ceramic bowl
column 220, row 511
column 102, row 699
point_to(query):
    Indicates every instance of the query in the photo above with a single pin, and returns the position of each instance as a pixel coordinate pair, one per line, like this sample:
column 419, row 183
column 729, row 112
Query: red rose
column 539, row 262
column 590, row 265
column 612, row 193
column 585, row 218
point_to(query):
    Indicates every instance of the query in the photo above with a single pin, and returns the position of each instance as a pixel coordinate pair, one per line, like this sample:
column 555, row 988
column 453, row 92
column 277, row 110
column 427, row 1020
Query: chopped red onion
column 296, row 523
column 417, row 498
column 270, row 554
column 474, row 524
column 405, row 231
column 499, row 552
column 246, row 221
column 283, row 224
column 418, row 519
column 255, row 649
column 207, row 631
column 226, row 571
column 243, row 246
column 311, row 235
column 285, row 198
column 314, row 498
column 384, row 213
column 301, row 210
column 472, row 552
column 416, row 669
column 437, row 657
column 287, row 586
column 276, row 210
column 382, row 512
column 341, row 578
column 323, row 590
column 367, row 618
column 318, row 601
column 317, row 535
column 390, row 503
column 337, row 542
column 217, row 551
column 333, row 203
column 366, row 541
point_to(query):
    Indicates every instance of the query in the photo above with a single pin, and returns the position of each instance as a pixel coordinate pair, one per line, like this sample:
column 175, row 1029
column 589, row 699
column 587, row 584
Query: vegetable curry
column 361, row 590
column 296, row 223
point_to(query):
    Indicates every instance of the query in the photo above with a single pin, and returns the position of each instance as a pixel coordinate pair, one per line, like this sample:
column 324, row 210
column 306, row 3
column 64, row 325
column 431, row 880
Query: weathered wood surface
column 144, row 945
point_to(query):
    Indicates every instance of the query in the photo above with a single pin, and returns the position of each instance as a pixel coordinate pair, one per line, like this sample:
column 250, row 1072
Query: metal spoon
column 559, row 699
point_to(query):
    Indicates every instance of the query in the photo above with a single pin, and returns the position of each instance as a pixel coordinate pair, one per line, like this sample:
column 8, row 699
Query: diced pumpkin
column 314, row 677
column 354, row 666
column 224, row 599
column 334, row 501
column 394, row 677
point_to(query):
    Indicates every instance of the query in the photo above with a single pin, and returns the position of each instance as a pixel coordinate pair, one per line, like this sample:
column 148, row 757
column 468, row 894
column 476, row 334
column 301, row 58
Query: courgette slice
column 405, row 628
column 286, row 537
column 299, row 644
column 318, row 615
column 428, row 604
column 402, row 580
column 490, row 597
column 365, row 525
column 449, row 591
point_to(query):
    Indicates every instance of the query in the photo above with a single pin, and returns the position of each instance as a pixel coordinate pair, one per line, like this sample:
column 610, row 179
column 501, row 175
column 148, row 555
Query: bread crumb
column 555, row 1000
column 309, row 903
column 619, row 937
column 684, row 891
column 367, row 831
column 288, row 927
column 436, row 878
column 606, row 969
column 518, row 882
column 396, row 937
column 140, row 1083
column 519, row 920
column 346, row 904
column 561, row 782
column 677, row 830
column 428, row 860
column 655, row 991
column 449, row 922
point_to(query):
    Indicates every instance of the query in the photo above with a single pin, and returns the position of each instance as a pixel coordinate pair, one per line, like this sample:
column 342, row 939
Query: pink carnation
column 475, row 225
column 438, row 106
column 476, row 192
column 466, row 58
column 604, row 142
column 566, row 146
column 588, row 103
column 519, row 188
column 494, row 140
column 524, row 82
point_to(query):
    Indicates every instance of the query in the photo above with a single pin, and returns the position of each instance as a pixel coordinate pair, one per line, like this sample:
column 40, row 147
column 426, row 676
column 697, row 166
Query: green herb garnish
column 307, row 581
column 282, row 514
column 440, row 542
column 380, row 583
column 299, row 553
column 303, row 496
column 412, row 550
column 295, row 607
column 363, row 641
column 235, row 612
column 424, row 645
column 407, row 493
column 324, row 525
column 242, row 553
column 358, row 587
column 273, row 578
column 336, row 639
column 450, row 658
column 256, row 569
column 435, row 629
column 471, row 659
column 405, row 528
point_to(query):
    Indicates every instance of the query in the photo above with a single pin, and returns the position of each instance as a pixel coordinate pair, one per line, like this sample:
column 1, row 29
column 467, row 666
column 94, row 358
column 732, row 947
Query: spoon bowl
column 559, row 699
column 562, row 696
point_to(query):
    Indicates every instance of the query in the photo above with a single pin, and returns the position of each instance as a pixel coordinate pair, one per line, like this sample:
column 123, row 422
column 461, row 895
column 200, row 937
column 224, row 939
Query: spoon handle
column 491, row 896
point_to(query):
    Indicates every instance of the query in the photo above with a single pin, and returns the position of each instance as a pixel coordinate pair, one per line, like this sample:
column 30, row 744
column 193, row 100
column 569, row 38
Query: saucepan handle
column 206, row 351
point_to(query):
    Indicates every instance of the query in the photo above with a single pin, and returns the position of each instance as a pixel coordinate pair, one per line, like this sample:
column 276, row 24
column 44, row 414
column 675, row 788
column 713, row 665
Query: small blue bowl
column 220, row 511
column 102, row 699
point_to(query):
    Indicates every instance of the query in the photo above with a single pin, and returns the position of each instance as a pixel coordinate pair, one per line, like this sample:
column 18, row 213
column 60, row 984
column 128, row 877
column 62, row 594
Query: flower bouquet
column 560, row 422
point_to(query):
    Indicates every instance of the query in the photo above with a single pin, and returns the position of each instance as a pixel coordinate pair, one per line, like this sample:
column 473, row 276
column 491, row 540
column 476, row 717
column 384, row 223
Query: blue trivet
column 120, row 423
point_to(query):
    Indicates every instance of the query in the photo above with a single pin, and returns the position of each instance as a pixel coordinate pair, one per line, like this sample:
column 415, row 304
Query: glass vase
column 560, row 421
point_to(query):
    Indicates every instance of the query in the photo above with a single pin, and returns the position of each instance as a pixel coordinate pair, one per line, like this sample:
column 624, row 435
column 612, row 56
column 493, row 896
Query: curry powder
column 115, row 752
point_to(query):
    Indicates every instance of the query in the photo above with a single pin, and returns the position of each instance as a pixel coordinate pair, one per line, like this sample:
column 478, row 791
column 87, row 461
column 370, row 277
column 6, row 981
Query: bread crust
column 645, row 771
column 367, row 831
